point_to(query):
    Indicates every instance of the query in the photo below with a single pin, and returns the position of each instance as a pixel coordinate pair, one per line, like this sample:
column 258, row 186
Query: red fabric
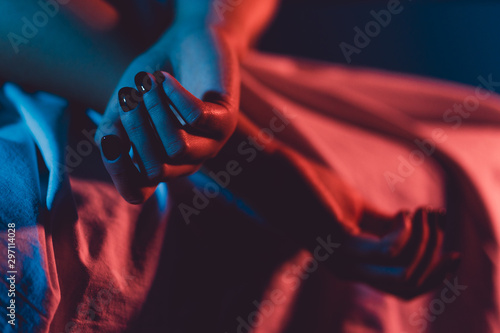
column 121, row 267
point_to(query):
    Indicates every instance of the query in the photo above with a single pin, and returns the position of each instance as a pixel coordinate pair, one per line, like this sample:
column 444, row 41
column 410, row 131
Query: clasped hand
column 171, row 128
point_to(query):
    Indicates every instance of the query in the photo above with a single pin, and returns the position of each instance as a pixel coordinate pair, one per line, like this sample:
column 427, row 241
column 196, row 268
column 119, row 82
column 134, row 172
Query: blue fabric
column 26, row 121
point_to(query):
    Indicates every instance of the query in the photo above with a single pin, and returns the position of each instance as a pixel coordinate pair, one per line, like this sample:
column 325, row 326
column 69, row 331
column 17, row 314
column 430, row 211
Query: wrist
column 237, row 37
column 182, row 31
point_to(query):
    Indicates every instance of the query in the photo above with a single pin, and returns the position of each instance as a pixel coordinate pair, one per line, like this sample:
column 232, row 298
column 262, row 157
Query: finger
column 181, row 147
column 443, row 269
column 416, row 247
column 419, row 267
column 165, row 124
column 376, row 274
column 196, row 149
column 129, row 182
column 408, row 259
column 390, row 280
column 212, row 116
column 174, row 171
column 393, row 279
column 427, row 268
column 433, row 252
column 371, row 247
column 114, row 152
column 426, row 246
column 136, row 123
column 110, row 122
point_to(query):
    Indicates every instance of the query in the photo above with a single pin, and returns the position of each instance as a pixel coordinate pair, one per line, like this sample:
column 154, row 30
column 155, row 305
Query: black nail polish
column 128, row 98
column 111, row 147
column 159, row 77
column 143, row 82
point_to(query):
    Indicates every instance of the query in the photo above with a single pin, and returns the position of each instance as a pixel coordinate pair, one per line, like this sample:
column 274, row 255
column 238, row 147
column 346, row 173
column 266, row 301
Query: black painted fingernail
column 143, row 82
column 128, row 98
column 159, row 77
column 111, row 147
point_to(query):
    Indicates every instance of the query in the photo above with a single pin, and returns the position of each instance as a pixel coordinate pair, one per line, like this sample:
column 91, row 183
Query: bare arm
column 66, row 57
column 61, row 56
column 193, row 69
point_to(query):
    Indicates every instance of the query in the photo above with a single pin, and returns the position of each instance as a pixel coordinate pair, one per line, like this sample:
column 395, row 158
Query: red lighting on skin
column 98, row 14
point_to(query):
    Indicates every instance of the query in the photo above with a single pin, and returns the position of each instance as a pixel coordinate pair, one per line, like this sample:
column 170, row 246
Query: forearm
column 67, row 58
column 60, row 56
column 235, row 23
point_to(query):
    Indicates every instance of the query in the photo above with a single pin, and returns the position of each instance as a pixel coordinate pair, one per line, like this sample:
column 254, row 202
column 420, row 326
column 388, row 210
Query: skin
column 60, row 51
column 200, row 48
column 198, row 56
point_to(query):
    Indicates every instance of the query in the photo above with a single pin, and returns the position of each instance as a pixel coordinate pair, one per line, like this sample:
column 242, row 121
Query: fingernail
column 143, row 82
column 128, row 98
column 159, row 77
column 111, row 147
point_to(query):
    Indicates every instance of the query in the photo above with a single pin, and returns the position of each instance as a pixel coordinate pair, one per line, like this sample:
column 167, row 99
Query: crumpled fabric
column 320, row 149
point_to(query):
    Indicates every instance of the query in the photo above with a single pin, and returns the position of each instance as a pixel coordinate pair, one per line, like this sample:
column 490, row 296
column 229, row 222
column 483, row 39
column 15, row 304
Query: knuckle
column 154, row 108
column 178, row 149
column 168, row 87
column 177, row 146
column 153, row 104
column 132, row 121
column 194, row 115
column 153, row 171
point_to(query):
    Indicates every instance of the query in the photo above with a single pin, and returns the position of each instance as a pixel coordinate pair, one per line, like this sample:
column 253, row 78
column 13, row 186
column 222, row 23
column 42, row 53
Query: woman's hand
column 406, row 262
column 175, row 105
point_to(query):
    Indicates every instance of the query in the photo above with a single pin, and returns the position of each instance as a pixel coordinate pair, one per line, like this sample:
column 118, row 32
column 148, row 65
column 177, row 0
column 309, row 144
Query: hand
column 183, row 110
column 406, row 262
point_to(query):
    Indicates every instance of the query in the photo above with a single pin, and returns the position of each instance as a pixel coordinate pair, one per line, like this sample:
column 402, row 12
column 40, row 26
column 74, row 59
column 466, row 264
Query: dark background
column 454, row 40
